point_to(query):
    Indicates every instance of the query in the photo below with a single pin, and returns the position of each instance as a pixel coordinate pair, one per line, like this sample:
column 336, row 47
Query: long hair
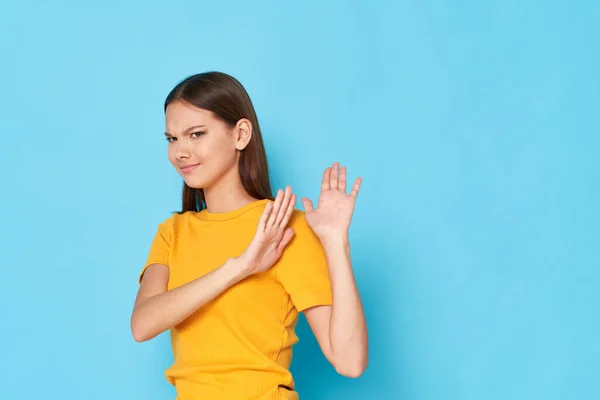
column 228, row 100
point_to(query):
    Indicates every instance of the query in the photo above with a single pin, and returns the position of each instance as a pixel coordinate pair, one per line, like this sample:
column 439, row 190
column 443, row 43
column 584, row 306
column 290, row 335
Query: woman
column 230, row 272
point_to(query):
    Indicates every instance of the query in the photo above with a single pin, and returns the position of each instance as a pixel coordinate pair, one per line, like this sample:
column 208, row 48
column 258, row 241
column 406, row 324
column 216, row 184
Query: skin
column 340, row 329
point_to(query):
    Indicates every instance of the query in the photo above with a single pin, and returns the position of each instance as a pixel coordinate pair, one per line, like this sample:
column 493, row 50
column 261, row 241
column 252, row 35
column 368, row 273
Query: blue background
column 474, row 125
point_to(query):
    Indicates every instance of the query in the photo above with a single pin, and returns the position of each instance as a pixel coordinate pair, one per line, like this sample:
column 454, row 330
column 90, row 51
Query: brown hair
column 228, row 100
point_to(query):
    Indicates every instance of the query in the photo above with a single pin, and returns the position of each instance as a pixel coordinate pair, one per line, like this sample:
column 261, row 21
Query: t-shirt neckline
column 208, row 216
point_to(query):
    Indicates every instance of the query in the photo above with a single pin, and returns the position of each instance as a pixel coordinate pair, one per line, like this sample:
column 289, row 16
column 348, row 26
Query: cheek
column 217, row 155
column 171, row 154
column 227, row 158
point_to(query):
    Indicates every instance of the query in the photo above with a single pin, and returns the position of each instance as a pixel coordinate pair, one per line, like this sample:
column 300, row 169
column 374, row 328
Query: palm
column 272, row 234
column 335, row 208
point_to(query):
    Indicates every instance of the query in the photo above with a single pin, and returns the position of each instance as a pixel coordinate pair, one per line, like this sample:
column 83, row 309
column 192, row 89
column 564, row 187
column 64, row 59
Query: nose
column 181, row 151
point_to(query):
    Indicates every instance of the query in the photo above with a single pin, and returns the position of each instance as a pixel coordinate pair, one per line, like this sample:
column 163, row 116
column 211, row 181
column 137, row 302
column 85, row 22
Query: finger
column 287, row 236
column 333, row 177
column 284, row 205
column 356, row 187
column 289, row 211
column 265, row 215
column 308, row 205
column 325, row 182
column 342, row 184
column 276, row 206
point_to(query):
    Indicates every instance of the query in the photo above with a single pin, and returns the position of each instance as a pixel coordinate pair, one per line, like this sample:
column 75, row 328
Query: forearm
column 348, row 331
column 165, row 310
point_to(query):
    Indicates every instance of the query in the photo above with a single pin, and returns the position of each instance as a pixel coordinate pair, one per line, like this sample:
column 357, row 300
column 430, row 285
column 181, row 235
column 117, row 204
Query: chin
column 195, row 183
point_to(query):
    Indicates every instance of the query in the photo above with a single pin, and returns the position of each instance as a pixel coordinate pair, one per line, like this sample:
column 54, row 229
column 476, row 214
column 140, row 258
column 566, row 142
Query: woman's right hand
column 271, row 234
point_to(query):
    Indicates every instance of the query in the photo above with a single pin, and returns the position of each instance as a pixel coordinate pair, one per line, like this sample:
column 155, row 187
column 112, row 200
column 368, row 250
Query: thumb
column 308, row 205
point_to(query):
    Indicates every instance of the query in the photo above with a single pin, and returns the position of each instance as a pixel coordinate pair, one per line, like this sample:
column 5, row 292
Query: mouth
column 189, row 168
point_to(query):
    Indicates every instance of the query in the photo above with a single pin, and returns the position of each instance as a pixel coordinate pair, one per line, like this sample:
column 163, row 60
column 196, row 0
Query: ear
column 243, row 133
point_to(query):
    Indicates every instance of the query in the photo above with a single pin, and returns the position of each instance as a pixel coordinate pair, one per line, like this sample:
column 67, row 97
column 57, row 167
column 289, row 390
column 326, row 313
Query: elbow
column 354, row 370
column 351, row 365
column 138, row 337
column 137, row 333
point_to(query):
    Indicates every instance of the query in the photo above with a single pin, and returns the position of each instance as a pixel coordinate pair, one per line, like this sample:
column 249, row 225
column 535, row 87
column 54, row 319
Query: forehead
column 180, row 116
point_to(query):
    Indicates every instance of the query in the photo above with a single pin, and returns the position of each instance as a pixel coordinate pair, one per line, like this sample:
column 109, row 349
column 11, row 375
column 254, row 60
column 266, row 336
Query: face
column 202, row 148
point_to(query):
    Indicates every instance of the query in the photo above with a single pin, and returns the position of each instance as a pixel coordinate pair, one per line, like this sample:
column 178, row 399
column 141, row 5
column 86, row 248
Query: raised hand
column 334, row 211
column 271, row 234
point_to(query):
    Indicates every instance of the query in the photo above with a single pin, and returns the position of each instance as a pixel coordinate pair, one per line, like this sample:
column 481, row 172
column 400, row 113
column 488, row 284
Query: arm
column 157, row 309
column 341, row 328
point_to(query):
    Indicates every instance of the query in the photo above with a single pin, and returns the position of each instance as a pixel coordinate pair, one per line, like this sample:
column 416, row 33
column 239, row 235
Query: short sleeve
column 160, row 247
column 302, row 269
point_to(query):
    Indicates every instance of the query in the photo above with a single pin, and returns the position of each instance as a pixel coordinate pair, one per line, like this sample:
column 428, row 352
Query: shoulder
column 303, row 259
column 298, row 221
column 169, row 221
column 174, row 221
column 303, row 233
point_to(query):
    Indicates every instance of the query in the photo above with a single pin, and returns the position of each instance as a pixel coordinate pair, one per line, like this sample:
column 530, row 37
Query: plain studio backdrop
column 475, row 126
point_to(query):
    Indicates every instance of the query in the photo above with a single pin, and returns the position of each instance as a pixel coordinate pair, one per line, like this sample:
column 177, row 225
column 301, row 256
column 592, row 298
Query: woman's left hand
column 334, row 211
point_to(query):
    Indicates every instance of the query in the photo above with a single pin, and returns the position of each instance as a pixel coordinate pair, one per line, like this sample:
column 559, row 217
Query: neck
column 227, row 194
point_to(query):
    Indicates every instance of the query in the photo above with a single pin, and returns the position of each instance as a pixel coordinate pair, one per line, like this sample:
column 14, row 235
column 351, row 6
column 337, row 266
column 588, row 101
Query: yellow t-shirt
column 238, row 346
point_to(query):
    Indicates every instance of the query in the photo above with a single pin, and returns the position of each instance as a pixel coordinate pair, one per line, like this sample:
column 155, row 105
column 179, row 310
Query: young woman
column 229, row 273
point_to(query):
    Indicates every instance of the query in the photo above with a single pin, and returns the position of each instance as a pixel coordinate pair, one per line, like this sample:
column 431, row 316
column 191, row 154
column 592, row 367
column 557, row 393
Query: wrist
column 335, row 240
column 238, row 270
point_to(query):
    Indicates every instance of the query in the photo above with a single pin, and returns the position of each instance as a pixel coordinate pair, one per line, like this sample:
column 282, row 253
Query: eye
column 197, row 134
column 170, row 139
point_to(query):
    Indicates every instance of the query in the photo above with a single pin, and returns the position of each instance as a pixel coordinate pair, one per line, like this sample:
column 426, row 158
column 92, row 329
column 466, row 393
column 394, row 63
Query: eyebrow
column 167, row 134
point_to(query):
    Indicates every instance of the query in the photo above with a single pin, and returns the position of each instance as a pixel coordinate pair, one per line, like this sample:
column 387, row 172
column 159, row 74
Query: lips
column 189, row 168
